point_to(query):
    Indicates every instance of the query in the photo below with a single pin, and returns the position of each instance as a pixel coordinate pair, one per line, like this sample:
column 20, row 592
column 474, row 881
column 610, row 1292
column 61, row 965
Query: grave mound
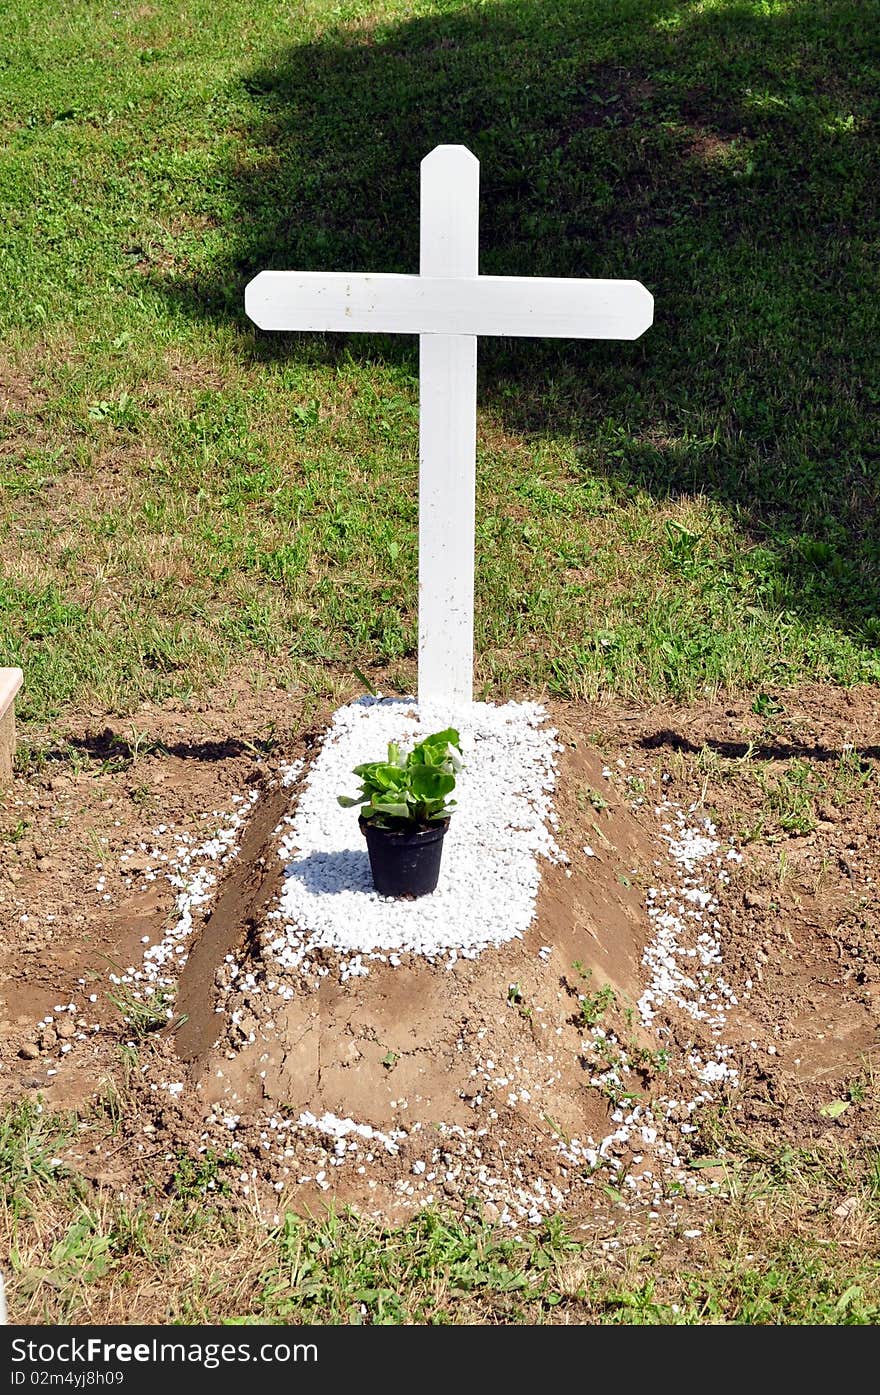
column 497, row 1039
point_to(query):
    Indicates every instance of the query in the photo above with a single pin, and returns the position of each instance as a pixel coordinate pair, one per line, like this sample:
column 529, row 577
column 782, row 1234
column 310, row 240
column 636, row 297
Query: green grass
column 689, row 513
column 29, row 1140
column 80, row 1254
column 777, row 787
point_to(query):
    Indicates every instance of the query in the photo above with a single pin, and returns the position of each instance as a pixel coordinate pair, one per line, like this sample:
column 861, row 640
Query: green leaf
column 390, row 808
column 368, row 771
column 834, row 1109
column 849, row 1297
column 435, row 749
column 362, row 678
column 428, row 783
column 388, row 777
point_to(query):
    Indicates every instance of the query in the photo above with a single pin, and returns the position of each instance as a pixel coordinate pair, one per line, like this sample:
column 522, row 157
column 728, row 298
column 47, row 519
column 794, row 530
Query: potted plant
column 405, row 812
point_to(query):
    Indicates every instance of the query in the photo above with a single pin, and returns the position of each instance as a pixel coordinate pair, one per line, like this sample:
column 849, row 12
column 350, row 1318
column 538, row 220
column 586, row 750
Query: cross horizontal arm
column 520, row 306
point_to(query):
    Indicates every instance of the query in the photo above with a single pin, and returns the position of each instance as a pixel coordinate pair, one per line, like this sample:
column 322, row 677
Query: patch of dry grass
column 792, row 1238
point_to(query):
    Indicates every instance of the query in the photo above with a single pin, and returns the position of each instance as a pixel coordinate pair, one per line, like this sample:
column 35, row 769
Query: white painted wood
column 448, row 305
column 11, row 680
column 519, row 306
column 449, row 246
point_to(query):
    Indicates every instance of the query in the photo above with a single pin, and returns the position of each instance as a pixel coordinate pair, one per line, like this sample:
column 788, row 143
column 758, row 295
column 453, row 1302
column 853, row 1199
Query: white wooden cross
column 447, row 305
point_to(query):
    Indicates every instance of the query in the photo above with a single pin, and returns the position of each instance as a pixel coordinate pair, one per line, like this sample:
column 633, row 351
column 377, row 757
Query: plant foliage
column 409, row 791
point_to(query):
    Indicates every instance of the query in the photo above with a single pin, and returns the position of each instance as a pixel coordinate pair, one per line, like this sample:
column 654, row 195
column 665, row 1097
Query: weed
column 788, row 795
column 31, row 1137
column 593, row 1006
column 194, row 1177
column 783, row 870
column 854, row 777
column 516, row 998
column 864, row 1087
column 612, row 1064
column 593, row 798
column 766, row 706
column 649, row 1062
column 145, row 1012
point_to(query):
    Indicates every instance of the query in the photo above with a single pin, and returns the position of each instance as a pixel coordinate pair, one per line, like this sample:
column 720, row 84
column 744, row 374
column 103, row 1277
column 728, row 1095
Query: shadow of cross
column 448, row 305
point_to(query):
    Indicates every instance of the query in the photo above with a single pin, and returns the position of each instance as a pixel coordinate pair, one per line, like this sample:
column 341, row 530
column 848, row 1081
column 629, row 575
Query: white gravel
column 338, row 1129
column 684, row 957
column 490, row 871
column 194, row 878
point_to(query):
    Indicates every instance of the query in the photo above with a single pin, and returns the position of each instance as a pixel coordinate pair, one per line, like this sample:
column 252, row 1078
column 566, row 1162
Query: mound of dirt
column 487, row 1050
column 694, row 951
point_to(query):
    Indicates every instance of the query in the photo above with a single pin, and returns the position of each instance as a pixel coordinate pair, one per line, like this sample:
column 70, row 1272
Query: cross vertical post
column 449, row 241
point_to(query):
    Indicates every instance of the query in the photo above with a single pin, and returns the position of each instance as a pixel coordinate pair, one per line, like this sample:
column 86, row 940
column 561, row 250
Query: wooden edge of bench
column 11, row 680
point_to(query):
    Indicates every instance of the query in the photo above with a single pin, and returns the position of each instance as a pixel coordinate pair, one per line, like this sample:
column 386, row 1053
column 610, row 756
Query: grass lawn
column 182, row 496
column 692, row 512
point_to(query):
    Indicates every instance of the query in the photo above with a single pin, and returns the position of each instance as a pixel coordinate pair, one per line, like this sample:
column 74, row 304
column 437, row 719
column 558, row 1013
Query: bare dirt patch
column 17, row 393
column 425, row 1083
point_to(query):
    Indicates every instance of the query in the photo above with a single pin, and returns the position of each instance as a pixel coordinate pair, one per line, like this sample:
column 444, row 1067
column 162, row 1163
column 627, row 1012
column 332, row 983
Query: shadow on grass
column 721, row 155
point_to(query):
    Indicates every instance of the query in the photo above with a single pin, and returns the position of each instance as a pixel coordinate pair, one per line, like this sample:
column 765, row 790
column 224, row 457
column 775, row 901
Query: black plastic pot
column 405, row 863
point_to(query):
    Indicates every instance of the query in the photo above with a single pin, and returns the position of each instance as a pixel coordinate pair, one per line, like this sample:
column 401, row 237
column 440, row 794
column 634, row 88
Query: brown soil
column 473, row 1074
column 242, row 901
